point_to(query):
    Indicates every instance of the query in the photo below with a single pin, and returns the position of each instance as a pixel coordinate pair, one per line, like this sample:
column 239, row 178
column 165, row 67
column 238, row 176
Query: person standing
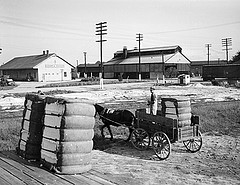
column 153, row 101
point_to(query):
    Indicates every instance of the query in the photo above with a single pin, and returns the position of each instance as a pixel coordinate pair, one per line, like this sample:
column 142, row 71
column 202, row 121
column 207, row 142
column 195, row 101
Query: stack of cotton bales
column 67, row 135
column 177, row 108
column 29, row 145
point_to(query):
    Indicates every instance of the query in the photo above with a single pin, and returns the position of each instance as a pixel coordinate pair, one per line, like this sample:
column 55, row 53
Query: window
column 65, row 74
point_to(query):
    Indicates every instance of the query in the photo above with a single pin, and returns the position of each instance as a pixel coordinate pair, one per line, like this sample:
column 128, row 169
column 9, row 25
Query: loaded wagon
column 173, row 123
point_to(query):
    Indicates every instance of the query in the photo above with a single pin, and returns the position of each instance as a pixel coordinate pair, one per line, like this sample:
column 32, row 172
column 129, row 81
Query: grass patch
column 89, row 82
column 221, row 118
column 50, row 93
column 7, row 87
column 10, row 129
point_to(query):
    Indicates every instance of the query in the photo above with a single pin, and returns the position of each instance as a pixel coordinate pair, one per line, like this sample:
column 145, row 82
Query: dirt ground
column 218, row 161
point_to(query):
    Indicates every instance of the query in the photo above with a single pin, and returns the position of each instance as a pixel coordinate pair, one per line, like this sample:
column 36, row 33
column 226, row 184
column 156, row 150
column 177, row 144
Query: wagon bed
column 154, row 123
column 158, row 132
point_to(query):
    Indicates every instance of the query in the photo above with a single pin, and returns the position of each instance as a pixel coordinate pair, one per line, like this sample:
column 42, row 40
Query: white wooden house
column 45, row 67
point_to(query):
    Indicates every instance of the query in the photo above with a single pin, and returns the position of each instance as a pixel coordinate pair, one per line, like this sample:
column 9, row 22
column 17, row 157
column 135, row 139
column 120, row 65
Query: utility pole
column 85, row 64
column 139, row 38
column 77, row 70
column 101, row 30
column 226, row 42
column 0, row 53
column 163, row 68
column 208, row 47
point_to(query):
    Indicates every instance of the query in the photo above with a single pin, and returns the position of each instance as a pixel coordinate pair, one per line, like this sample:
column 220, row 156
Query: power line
column 197, row 28
column 43, row 28
column 220, row 52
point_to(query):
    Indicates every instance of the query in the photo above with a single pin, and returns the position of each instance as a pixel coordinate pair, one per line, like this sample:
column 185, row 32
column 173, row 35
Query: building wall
column 151, row 71
column 109, row 75
column 54, row 69
column 22, row 74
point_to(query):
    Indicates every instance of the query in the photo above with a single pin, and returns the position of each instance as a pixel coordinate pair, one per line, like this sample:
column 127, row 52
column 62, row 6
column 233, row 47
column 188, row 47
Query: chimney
column 125, row 52
column 43, row 52
column 47, row 52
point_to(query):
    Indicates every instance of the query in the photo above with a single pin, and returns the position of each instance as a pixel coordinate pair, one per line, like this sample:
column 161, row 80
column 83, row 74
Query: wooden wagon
column 159, row 131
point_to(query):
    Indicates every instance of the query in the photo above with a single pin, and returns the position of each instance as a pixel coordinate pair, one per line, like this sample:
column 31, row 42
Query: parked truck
column 228, row 71
column 6, row 81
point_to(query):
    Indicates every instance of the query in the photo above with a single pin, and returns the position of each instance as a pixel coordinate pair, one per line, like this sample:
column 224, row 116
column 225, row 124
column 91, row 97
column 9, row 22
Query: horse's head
column 99, row 109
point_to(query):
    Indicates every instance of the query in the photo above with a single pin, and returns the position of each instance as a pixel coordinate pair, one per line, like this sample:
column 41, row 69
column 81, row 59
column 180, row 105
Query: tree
column 236, row 58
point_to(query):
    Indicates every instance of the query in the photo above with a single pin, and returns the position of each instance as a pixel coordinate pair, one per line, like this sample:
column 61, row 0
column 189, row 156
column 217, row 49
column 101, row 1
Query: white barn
column 45, row 67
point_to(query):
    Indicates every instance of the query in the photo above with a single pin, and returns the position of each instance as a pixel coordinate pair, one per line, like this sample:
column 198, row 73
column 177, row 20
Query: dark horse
column 115, row 118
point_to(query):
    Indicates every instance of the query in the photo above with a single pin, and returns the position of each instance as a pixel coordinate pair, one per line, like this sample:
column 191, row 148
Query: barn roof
column 151, row 59
column 165, row 49
column 169, row 54
column 89, row 65
column 28, row 62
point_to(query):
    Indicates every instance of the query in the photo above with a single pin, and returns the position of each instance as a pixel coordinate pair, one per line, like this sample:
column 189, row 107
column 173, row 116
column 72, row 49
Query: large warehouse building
column 154, row 62
column 44, row 67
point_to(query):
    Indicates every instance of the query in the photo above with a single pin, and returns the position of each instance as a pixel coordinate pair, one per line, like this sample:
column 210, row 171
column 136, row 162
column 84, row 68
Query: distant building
column 92, row 70
column 44, row 67
column 154, row 63
column 196, row 66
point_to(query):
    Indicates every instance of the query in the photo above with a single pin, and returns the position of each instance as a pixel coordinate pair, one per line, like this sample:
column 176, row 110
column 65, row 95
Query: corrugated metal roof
column 177, row 58
column 114, row 61
column 144, row 60
column 164, row 48
column 151, row 59
column 26, row 62
column 89, row 65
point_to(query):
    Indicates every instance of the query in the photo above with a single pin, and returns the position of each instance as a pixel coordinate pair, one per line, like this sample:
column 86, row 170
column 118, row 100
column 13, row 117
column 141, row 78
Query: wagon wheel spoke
column 194, row 144
column 161, row 145
column 187, row 143
column 140, row 139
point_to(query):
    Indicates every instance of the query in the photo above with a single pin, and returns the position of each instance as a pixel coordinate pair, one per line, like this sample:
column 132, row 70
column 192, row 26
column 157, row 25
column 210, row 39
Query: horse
column 115, row 118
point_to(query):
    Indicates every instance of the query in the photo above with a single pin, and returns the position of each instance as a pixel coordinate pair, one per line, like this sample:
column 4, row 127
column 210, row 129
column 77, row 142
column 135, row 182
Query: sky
column 68, row 27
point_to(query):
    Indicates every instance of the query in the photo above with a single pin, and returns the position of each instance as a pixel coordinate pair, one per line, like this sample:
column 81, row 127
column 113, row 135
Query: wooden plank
column 97, row 179
column 187, row 132
column 26, row 170
column 77, row 179
column 116, row 179
column 33, row 170
column 20, row 174
column 157, row 119
column 8, row 178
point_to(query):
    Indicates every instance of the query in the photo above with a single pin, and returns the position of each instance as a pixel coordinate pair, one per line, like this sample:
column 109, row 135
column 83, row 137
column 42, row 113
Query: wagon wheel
column 161, row 145
column 194, row 144
column 140, row 139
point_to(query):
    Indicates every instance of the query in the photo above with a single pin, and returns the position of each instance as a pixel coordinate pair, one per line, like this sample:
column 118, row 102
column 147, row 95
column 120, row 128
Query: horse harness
column 109, row 111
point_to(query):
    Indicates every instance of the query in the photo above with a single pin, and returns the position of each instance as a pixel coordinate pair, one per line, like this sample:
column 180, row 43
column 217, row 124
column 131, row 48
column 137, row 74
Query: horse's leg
column 130, row 132
column 102, row 130
column 109, row 129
